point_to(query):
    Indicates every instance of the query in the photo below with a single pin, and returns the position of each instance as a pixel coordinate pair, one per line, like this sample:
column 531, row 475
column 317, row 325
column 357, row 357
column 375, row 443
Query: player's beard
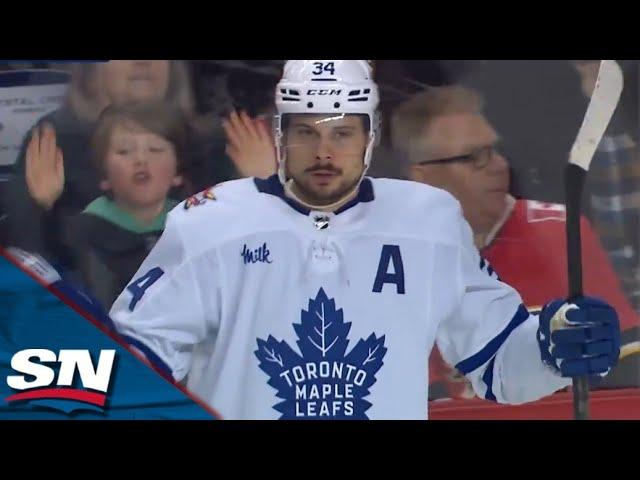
column 314, row 197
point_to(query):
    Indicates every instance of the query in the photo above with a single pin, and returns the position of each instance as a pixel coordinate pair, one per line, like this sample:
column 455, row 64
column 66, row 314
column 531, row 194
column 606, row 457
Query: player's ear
column 105, row 185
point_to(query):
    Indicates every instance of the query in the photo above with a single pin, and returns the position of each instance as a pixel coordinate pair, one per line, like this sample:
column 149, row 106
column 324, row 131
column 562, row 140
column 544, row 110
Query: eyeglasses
column 479, row 158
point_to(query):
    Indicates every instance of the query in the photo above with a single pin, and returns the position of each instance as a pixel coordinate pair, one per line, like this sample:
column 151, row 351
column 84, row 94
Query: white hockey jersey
column 273, row 311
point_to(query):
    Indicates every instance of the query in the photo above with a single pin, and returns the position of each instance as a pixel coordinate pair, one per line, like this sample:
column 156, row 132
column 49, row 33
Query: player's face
column 140, row 167
column 481, row 186
column 325, row 155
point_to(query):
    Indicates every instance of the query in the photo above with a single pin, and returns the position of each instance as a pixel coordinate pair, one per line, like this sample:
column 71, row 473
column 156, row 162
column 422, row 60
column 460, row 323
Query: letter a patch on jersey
column 324, row 382
column 390, row 255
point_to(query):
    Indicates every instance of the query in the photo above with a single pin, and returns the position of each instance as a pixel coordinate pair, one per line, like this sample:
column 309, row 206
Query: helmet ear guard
column 325, row 87
column 281, row 152
column 376, row 127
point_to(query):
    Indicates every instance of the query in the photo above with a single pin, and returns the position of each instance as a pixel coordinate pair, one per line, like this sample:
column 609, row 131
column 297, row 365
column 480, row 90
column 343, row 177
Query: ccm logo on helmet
column 37, row 376
column 324, row 92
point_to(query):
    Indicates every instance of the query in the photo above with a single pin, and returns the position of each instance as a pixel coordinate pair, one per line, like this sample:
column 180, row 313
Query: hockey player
column 319, row 292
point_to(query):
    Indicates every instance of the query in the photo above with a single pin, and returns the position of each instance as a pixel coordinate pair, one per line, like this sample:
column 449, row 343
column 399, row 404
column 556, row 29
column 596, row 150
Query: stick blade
column 604, row 100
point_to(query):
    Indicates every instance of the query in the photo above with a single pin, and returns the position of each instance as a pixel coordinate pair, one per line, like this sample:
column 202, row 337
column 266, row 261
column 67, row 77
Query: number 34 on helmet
column 320, row 87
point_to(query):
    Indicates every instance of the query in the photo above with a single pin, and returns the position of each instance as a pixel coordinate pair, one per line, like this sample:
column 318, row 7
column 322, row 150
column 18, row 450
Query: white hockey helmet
column 325, row 87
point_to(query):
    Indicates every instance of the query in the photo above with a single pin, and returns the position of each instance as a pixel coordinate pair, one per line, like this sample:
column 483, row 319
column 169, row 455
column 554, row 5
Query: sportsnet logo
column 38, row 383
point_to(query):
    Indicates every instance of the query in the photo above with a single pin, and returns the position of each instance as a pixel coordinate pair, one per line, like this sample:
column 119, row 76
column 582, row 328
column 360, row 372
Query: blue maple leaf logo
column 324, row 382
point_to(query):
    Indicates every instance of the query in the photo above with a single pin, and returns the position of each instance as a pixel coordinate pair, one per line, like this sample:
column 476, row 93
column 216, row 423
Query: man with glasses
column 449, row 144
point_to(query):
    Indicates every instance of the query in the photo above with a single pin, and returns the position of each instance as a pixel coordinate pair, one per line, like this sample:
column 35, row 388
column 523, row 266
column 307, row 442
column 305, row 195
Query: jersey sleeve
column 164, row 311
column 491, row 337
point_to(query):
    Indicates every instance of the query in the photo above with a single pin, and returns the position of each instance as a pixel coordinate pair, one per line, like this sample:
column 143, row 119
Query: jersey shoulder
column 218, row 203
column 418, row 209
column 219, row 196
column 217, row 214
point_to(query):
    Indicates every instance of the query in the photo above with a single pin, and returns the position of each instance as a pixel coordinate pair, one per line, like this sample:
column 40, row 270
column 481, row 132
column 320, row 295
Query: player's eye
column 344, row 134
column 305, row 132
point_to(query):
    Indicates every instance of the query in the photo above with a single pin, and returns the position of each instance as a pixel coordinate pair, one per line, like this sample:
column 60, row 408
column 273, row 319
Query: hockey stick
column 604, row 100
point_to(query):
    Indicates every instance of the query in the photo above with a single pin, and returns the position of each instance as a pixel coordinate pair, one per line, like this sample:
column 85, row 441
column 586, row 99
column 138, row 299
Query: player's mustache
column 325, row 168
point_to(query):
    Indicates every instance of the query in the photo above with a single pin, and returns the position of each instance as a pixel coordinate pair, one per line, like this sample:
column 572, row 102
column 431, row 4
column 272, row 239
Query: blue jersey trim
column 272, row 186
column 483, row 356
